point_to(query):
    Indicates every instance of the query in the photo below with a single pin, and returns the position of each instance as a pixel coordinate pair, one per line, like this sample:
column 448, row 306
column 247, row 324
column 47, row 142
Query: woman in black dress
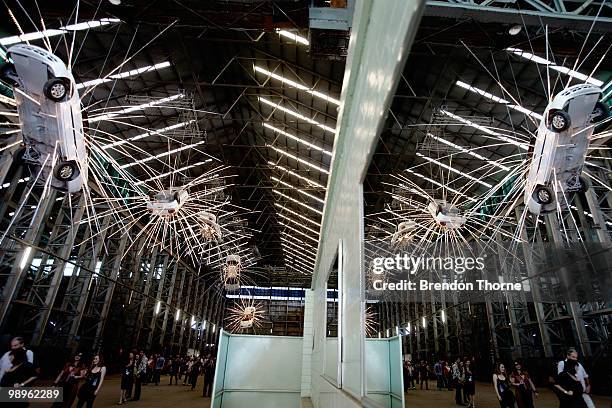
column 21, row 374
column 568, row 388
column 127, row 379
column 194, row 373
column 502, row 386
column 93, row 382
column 469, row 387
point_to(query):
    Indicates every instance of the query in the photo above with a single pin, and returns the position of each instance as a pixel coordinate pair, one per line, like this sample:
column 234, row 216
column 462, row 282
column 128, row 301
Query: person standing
column 175, row 365
column 581, row 374
column 140, row 373
column 447, row 376
column 21, row 373
column 501, row 383
column 458, row 381
column 16, row 344
column 424, row 374
column 569, row 388
column 159, row 365
column 182, row 367
column 411, row 375
column 195, row 373
column 68, row 379
column 209, row 376
column 150, row 369
column 406, row 375
column 93, row 382
column 188, row 370
column 469, row 386
column 524, row 387
column 439, row 375
column 127, row 379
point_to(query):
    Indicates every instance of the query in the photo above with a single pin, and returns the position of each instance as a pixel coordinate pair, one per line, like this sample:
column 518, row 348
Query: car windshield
column 451, row 211
column 163, row 196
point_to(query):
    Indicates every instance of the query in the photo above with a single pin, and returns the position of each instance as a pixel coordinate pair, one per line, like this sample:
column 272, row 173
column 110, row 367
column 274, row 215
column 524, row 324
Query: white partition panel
column 258, row 371
column 331, row 358
column 384, row 381
column 217, row 394
column 378, row 373
column 396, row 372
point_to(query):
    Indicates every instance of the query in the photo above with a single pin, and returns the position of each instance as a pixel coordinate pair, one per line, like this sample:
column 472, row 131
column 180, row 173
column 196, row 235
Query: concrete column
column 307, row 345
column 113, row 273
column 599, row 222
column 574, row 308
column 534, row 284
column 32, row 235
column 66, row 238
column 168, row 301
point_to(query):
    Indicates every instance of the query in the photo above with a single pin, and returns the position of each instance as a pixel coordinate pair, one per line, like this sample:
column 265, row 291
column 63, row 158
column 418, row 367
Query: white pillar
column 382, row 34
column 307, row 346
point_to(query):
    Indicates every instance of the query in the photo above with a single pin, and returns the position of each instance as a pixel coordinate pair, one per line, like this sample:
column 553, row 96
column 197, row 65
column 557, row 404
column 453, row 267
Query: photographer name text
column 423, row 285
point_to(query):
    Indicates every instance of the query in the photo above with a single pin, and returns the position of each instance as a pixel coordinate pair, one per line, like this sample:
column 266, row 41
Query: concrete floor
column 154, row 396
column 485, row 398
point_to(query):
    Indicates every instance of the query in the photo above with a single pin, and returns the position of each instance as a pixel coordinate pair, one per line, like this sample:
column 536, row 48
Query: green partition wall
column 241, row 361
column 384, row 375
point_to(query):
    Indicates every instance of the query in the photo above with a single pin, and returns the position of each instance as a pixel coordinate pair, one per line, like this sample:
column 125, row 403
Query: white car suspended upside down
column 561, row 147
column 403, row 234
column 49, row 109
column 248, row 317
column 231, row 272
column 167, row 203
column 445, row 214
column 211, row 230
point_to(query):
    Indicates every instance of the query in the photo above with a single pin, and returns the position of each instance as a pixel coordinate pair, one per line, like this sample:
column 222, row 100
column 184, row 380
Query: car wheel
column 66, row 171
column 559, row 121
column 600, row 112
column 55, row 89
column 543, row 195
column 8, row 74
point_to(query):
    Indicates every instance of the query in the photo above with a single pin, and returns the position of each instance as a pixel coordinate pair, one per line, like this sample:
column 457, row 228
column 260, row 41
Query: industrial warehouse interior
column 306, row 203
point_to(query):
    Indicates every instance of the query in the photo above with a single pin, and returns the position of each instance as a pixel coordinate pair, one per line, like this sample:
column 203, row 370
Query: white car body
column 558, row 156
column 231, row 272
column 248, row 317
column 403, row 233
column 167, row 203
column 46, row 123
column 210, row 228
column 446, row 214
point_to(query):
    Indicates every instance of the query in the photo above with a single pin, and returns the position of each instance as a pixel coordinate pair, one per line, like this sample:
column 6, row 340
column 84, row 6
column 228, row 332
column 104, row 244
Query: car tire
column 56, row 89
column 66, row 171
column 600, row 112
column 543, row 195
column 8, row 74
column 559, row 121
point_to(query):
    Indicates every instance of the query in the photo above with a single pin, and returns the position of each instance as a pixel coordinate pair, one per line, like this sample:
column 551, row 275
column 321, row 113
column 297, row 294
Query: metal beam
column 508, row 13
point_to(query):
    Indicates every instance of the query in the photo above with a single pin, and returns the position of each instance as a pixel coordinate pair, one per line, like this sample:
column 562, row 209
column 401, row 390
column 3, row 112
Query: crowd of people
column 513, row 388
column 141, row 370
column 82, row 380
